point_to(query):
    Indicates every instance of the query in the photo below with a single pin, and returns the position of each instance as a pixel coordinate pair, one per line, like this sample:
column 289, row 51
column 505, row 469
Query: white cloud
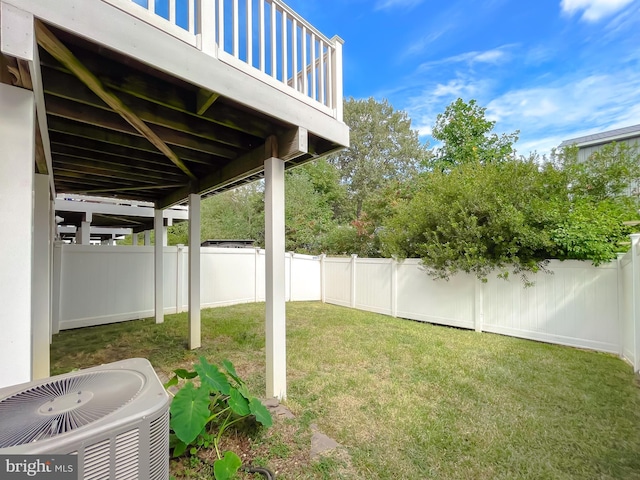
column 421, row 44
column 494, row 56
column 546, row 112
column 390, row 4
column 454, row 88
column 568, row 108
column 593, row 10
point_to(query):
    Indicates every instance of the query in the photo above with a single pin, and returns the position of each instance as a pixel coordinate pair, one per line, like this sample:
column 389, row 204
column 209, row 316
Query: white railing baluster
column 172, row 11
column 284, row 46
column 313, row 66
column 322, row 73
column 151, row 6
column 221, row 25
column 250, row 32
column 274, row 44
column 294, row 53
column 236, row 31
column 262, row 35
column 305, row 80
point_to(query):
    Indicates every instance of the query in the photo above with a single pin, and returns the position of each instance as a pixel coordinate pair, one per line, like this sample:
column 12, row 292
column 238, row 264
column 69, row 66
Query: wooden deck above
column 134, row 105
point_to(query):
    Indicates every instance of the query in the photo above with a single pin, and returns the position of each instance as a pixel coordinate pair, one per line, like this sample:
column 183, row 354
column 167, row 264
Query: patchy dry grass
column 405, row 399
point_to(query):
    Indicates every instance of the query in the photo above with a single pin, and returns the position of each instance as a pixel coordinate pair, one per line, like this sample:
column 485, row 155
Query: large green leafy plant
column 201, row 413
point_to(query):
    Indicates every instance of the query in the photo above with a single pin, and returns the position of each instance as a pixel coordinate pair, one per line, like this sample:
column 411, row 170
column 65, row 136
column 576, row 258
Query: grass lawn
column 407, row 400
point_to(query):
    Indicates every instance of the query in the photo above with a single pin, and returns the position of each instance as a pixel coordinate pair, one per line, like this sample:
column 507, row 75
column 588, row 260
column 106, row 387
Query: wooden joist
column 51, row 44
column 205, row 99
column 5, row 75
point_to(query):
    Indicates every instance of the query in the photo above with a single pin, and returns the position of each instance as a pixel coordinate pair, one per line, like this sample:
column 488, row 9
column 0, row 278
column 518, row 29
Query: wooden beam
column 25, row 79
column 41, row 159
column 234, row 171
column 25, row 75
column 51, row 44
column 293, row 144
column 128, row 189
column 205, row 99
column 5, row 75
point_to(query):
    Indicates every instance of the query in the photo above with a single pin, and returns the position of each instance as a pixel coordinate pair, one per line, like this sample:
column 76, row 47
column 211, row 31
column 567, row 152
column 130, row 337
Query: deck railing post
column 337, row 77
column 206, row 36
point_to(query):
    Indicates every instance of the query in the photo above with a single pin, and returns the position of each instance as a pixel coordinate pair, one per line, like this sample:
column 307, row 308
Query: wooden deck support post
column 194, row 271
column 275, row 279
column 158, row 250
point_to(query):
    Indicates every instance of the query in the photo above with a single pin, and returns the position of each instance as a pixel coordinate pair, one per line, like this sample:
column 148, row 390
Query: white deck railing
column 264, row 38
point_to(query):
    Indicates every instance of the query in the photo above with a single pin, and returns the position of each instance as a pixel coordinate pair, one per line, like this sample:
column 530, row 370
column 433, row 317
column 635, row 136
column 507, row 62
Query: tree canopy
column 488, row 210
column 467, row 136
column 470, row 204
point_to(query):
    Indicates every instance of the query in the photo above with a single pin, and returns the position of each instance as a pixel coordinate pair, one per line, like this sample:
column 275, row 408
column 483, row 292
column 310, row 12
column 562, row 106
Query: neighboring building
column 228, row 243
column 589, row 144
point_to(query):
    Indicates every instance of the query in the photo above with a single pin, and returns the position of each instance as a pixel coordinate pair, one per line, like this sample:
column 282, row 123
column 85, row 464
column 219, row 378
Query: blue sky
column 553, row 69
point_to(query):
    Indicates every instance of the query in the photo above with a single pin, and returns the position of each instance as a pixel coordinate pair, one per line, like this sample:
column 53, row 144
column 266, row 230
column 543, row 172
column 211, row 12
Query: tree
column 467, row 136
column 475, row 218
column 601, row 199
column 383, row 148
column 308, row 213
column 485, row 210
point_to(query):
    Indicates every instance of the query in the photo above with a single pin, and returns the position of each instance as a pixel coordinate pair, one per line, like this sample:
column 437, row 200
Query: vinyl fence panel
column 576, row 305
column 420, row 297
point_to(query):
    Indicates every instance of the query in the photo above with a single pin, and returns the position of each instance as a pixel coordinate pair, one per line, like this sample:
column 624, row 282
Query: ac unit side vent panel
column 159, row 451
column 126, row 458
column 96, row 461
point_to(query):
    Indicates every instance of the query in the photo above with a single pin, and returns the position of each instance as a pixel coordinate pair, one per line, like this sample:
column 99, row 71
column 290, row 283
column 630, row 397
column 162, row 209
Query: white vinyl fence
column 577, row 305
column 95, row 285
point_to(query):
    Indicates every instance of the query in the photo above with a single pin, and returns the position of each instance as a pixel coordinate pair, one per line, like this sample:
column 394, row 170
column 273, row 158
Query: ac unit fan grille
column 65, row 404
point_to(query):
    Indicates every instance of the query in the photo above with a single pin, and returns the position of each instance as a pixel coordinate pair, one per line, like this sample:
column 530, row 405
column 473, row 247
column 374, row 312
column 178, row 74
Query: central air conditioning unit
column 114, row 417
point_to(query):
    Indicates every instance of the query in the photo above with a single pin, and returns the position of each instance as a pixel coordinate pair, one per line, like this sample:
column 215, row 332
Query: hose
column 268, row 474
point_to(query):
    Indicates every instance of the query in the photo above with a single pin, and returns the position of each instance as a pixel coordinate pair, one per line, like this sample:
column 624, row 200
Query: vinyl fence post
column 56, row 291
column 179, row 276
column 394, row 288
column 635, row 250
column 353, row 280
column 291, row 254
column 323, row 297
column 621, row 320
column 479, row 306
column 255, row 269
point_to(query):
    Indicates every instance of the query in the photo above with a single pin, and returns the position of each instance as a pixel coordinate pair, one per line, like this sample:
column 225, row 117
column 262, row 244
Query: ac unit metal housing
column 114, row 417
